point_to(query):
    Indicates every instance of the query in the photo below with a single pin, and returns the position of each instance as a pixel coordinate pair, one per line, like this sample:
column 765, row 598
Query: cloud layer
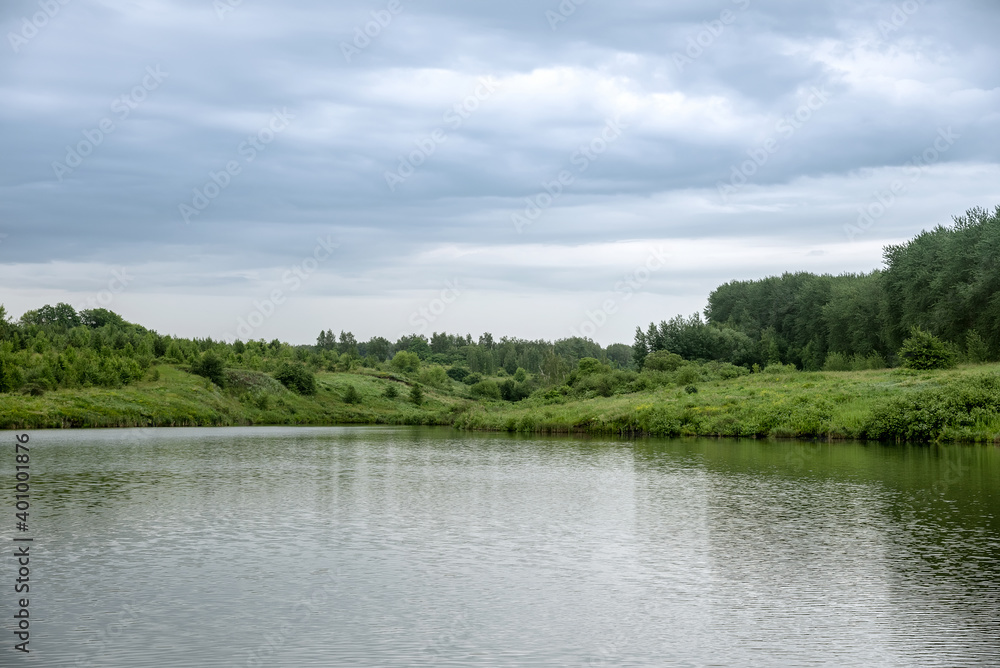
column 535, row 153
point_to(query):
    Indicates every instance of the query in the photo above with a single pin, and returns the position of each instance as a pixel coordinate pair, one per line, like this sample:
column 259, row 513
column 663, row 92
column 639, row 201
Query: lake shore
column 958, row 405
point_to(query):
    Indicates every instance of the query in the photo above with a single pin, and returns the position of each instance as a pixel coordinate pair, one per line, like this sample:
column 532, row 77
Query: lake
column 370, row 546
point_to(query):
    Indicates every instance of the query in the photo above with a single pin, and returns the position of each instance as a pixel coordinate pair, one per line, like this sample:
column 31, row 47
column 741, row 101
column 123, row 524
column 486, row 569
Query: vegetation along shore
column 905, row 353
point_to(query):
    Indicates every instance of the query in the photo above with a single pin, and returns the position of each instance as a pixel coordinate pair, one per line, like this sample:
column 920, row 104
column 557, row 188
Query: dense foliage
column 945, row 281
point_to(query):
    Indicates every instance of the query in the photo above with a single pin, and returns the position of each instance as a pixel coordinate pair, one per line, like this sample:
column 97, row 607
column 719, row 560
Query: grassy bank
column 170, row 397
column 961, row 405
column 891, row 405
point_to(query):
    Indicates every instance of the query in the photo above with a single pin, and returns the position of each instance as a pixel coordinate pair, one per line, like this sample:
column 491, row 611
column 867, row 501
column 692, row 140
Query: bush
column 417, row 394
column 351, row 395
column 296, row 378
column 691, row 389
column 458, row 373
column 837, row 362
column 663, row 360
column 687, row 375
column 923, row 351
column 435, row 376
column 405, row 361
column 390, row 391
column 976, row 349
column 778, row 367
column 511, row 390
column 520, row 375
column 473, row 378
column 486, row 389
column 210, row 366
column 589, row 365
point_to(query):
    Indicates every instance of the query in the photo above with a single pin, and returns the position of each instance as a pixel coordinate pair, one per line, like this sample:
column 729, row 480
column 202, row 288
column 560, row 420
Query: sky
column 543, row 169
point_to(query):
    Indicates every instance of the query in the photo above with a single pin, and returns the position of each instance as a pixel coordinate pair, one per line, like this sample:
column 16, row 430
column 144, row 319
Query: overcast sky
column 530, row 168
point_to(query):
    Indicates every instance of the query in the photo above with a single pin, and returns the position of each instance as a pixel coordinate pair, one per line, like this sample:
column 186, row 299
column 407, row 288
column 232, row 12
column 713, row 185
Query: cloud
column 699, row 93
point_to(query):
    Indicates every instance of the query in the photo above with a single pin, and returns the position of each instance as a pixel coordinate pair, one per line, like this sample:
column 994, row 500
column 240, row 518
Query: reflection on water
column 408, row 546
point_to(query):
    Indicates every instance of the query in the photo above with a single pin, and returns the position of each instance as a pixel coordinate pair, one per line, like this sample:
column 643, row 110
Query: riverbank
column 958, row 405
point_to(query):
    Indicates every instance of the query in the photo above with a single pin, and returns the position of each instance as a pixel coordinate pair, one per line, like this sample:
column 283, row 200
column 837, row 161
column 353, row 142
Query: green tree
column 211, row 366
column 296, row 377
column 351, row 395
column 923, row 351
column 406, row 362
column 417, row 394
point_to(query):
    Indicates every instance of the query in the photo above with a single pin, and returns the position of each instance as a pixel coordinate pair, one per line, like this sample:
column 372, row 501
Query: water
column 408, row 546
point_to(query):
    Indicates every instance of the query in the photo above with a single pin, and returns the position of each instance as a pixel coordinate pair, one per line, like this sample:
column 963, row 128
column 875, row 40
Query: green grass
column 179, row 399
column 893, row 404
column 961, row 404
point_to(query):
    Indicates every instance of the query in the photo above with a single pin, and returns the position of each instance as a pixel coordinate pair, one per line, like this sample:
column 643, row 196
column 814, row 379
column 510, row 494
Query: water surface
column 408, row 546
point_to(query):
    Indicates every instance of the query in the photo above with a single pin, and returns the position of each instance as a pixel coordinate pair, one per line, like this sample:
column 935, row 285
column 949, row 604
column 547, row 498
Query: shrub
column 663, row 360
column 687, row 374
column 210, row 366
column 924, row 351
column 836, row 362
column 691, row 389
column 296, row 378
column 473, row 378
column 351, row 395
column 417, row 394
column 390, row 391
column 778, row 367
column 976, row 349
column 511, row 390
column 435, row 376
column 486, row 389
column 520, row 375
column 589, row 365
column 458, row 373
column 405, row 362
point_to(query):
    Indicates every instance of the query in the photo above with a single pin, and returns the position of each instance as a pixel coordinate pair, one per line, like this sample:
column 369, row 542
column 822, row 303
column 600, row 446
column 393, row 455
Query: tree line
column 945, row 282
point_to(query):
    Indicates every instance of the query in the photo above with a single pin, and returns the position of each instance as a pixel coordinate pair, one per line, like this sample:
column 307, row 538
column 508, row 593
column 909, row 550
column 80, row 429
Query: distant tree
column 417, row 394
column 210, row 366
column 663, row 360
column 348, row 344
column 390, row 391
column 406, row 362
column 351, row 395
column 976, row 349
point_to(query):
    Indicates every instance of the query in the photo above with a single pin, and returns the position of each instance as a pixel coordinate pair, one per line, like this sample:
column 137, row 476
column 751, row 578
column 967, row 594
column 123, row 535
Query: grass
column 898, row 405
column 961, row 405
column 171, row 397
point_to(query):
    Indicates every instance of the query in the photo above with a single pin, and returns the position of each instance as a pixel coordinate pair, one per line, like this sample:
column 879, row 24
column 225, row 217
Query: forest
column 945, row 282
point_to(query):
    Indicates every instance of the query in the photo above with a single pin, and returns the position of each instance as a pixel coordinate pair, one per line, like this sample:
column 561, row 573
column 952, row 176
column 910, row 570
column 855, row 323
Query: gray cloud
column 700, row 93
